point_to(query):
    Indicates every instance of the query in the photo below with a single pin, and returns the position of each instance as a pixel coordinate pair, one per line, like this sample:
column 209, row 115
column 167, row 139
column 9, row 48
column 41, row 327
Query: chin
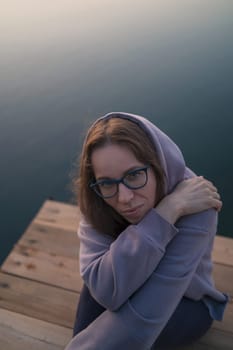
column 134, row 221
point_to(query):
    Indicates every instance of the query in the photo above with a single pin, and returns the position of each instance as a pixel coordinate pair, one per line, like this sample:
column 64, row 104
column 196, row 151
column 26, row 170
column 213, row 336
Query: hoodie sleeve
column 107, row 266
column 140, row 320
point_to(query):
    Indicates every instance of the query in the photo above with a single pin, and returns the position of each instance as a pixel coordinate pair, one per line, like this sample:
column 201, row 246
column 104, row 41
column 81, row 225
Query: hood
column 169, row 153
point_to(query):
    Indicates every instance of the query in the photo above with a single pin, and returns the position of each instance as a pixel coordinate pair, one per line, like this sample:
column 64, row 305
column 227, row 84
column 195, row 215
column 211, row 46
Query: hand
column 189, row 197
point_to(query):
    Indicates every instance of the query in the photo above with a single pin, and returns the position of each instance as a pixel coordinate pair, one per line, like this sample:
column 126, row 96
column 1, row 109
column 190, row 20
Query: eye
column 134, row 175
column 105, row 184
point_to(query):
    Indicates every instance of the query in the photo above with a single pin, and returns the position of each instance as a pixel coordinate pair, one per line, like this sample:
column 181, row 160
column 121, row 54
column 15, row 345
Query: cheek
column 151, row 190
column 111, row 202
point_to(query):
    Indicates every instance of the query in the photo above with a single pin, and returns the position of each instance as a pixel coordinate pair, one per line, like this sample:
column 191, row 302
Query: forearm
column 108, row 274
column 157, row 299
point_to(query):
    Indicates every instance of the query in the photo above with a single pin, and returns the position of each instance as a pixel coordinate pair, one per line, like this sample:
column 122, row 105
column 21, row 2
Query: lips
column 131, row 211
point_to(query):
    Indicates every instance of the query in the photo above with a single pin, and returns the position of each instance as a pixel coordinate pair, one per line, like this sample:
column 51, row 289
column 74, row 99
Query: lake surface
column 64, row 63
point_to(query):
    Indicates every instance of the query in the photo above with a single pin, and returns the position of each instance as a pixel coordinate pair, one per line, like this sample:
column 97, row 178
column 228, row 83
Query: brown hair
column 113, row 131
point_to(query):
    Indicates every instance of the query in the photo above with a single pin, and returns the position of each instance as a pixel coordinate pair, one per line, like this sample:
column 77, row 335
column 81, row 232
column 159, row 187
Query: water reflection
column 65, row 62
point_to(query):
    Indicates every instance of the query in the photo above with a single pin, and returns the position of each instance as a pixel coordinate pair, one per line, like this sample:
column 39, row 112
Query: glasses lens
column 106, row 189
column 136, row 179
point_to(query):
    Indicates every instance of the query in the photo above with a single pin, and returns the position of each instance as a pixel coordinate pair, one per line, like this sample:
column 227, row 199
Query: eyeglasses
column 133, row 179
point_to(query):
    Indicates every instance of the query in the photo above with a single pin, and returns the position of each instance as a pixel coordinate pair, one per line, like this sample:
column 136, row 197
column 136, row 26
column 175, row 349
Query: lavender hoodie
column 141, row 276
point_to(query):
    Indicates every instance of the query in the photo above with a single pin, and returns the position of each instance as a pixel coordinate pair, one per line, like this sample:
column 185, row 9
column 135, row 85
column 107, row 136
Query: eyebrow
column 125, row 173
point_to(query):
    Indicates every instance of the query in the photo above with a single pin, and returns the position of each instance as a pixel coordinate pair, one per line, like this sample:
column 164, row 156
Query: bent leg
column 190, row 321
column 87, row 311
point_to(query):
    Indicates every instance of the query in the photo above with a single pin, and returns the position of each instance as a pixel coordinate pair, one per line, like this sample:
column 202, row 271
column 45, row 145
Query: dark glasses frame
column 94, row 185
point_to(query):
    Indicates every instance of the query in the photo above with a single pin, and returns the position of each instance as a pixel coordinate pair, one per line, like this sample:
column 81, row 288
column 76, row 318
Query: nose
column 125, row 194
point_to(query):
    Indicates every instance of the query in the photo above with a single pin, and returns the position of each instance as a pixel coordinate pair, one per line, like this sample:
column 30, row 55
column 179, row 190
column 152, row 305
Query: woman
column 146, row 235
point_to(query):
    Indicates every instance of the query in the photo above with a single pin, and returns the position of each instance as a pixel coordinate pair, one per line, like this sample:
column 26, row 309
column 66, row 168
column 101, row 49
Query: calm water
column 64, row 63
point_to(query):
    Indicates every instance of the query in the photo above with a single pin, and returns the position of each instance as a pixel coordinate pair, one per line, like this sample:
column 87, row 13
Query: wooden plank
column 19, row 332
column 56, row 240
column 223, row 250
column 223, row 277
column 217, row 340
column 48, row 253
column 45, row 267
column 195, row 346
column 213, row 340
column 38, row 300
column 57, row 214
column 14, row 340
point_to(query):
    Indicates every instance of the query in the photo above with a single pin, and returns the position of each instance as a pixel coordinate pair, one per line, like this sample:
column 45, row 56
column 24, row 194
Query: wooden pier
column 40, row 285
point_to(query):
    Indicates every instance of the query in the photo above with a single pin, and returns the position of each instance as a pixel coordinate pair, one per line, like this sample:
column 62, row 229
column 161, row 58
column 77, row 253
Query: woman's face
column 114, row 161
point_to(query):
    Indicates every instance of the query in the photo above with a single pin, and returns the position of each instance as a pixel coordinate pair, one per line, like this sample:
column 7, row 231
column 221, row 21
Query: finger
column 219, row 206
column 211, row 186
column 217, row 195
